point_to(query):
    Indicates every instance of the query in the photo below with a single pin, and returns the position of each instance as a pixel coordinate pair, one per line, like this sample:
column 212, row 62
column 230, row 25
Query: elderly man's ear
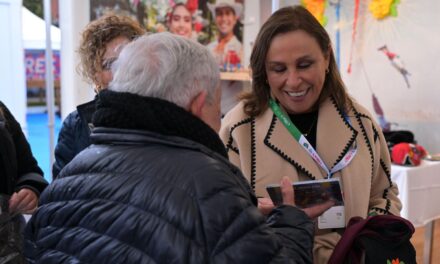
column 208, row 111
column 197, row 104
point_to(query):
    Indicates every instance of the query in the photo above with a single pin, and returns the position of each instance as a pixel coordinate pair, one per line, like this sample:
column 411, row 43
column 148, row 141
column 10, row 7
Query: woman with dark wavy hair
column 299, row 121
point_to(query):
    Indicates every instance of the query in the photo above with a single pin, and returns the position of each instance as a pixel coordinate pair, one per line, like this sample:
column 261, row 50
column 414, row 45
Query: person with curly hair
column 101, row 43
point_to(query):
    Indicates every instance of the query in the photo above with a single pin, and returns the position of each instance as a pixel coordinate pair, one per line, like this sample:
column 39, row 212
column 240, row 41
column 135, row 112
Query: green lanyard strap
column 302, row 140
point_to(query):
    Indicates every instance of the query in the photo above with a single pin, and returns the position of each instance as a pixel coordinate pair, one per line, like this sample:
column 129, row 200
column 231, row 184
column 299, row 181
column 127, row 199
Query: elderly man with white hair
column 156, row 185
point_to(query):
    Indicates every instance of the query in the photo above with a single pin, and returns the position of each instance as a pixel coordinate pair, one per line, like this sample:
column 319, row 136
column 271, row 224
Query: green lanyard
column 302, row 140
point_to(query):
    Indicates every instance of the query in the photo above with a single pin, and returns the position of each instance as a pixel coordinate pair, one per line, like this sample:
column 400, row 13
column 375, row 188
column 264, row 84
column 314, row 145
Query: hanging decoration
column 337, row 5
column 381, row 9
column 397, row 63
column 317, row 8
column 353, row 34
column 383, row 122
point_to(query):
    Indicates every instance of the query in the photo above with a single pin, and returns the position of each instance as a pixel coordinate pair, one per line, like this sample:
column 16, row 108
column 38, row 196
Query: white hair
column 166, row 66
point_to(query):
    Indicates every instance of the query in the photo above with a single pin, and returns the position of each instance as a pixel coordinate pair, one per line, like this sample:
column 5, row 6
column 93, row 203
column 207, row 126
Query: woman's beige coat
column 265, row 151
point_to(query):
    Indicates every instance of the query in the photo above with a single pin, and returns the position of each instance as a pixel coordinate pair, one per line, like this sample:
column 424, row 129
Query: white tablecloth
column 419, row 191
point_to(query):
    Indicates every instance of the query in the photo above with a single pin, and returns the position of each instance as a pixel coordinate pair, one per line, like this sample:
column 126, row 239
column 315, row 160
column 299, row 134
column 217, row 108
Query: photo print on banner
column 213, row 23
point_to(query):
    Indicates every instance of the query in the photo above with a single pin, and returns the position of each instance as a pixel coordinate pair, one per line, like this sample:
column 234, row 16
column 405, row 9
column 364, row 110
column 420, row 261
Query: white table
column 419, row 191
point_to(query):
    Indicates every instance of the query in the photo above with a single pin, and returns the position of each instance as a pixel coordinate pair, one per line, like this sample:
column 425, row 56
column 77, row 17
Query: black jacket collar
column 134, row 112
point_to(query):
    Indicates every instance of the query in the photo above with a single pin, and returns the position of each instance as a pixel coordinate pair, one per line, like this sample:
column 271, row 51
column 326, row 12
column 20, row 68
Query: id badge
column 332, row 218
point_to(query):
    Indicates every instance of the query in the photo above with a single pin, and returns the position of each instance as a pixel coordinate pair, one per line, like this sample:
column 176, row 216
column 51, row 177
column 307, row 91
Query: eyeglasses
column 107, row 64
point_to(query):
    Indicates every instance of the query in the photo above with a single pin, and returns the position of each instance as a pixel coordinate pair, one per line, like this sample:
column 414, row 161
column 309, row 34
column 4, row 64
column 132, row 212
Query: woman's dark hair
column 286, row 20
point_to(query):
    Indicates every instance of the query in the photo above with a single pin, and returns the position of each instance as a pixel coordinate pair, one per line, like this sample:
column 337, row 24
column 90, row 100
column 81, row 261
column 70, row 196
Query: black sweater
column 18, row 167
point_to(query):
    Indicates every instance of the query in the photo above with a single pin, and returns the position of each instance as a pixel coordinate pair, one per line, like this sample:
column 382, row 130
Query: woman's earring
column 327, row 71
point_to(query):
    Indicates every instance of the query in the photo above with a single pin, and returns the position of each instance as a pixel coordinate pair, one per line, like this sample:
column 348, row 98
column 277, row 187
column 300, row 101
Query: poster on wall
column 213, row 23
column 35, row 63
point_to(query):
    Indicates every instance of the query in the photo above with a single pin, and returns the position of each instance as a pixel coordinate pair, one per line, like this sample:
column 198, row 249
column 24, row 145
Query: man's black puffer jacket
column 139, row 196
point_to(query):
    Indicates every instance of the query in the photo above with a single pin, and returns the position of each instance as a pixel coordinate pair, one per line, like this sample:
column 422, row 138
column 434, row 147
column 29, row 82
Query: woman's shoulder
column 361, row 110
column 8, row 120
column 75, row 117
column 4, row 111
column 235, row 115
column 365, row 116
column 71, row 119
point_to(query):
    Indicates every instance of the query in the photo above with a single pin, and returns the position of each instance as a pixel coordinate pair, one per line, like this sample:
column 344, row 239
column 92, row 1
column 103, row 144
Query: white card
column 332, row 218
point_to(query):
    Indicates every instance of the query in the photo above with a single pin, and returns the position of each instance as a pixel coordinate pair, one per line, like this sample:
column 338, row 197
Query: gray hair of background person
column 153, row 65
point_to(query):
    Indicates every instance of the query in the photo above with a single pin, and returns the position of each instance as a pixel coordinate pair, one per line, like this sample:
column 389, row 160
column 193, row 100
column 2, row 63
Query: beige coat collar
column 334, row 139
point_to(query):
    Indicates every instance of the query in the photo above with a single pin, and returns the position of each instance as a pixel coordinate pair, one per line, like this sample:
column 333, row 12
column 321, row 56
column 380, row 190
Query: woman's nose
column 293, row 78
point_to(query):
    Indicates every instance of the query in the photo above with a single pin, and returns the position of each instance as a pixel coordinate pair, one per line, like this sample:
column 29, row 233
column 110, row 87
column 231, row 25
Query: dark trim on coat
column 282, row 154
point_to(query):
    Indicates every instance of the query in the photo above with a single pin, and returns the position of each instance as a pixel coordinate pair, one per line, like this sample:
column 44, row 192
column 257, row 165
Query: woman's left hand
column 23, row 201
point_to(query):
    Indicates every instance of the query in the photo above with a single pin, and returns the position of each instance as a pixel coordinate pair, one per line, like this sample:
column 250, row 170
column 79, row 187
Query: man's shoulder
column 201, row 159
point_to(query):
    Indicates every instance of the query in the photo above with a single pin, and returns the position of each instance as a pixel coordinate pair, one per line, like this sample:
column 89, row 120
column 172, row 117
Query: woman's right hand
column 265, row 205
column 317, row 210
column 289, row 199
column 287, row 191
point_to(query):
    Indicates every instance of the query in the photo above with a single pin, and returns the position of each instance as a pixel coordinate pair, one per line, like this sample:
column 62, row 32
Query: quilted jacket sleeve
column 65, row 150
column 236, row 232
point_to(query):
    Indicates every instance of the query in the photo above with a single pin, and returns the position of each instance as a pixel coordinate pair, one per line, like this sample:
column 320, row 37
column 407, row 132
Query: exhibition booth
column 387, row 59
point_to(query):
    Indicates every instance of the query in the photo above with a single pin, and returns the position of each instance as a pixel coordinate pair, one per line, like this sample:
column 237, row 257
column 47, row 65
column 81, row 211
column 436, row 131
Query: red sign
column 36, row 65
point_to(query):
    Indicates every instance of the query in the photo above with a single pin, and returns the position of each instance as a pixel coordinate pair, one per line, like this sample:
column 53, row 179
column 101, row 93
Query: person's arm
column 30, row 182
column 65, row 149
column 236, row 232
column 383, row 197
